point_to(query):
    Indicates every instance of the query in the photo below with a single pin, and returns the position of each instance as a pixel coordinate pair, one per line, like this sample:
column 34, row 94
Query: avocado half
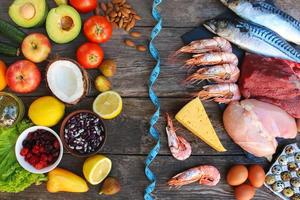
column 28, row 13
column 63, row 24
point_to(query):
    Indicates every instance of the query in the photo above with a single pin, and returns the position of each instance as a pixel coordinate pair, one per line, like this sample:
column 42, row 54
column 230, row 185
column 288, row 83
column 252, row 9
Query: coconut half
column 67, row 80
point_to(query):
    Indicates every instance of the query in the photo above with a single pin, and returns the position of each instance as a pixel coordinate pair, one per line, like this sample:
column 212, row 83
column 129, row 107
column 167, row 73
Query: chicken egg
column 256, row 175
column 244, row 192
column 237, row 175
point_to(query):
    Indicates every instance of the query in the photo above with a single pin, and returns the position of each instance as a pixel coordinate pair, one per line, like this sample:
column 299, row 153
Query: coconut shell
column 86, row 80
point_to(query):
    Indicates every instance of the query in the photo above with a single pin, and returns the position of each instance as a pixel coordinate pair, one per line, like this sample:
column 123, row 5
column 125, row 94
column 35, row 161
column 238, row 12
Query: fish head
column 216, row 26
column 226, row 28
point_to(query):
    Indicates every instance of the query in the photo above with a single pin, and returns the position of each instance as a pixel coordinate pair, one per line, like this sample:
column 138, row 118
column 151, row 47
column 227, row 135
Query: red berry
column 39, row 165
column 56, row 144
column 36, row 149
column 42, row 149
column 24, row 151
column 28, row 155
column 44, row 158
column 34, row 160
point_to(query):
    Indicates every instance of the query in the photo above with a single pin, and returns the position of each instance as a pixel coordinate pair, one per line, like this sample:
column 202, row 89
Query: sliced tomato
column 97, row 29
column 90, row 55
column 84, row 6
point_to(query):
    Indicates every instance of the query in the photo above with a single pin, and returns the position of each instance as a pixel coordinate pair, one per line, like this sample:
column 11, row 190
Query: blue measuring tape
column 153, row 77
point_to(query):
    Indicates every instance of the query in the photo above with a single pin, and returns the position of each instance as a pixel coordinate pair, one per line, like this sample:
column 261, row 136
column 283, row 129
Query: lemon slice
column 108, row 105
column 96, row 169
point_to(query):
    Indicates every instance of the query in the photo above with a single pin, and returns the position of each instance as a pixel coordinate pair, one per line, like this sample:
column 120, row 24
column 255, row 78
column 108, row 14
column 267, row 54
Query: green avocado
column 63, row 24
column 28, row 13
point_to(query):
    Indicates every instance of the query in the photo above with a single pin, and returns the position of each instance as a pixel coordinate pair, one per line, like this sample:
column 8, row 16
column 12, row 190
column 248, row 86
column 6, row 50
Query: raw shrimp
column 180, row 148
column 213, row 58
column 226, row 73
column 221, row 93
column 205, row 174
column 216, row 44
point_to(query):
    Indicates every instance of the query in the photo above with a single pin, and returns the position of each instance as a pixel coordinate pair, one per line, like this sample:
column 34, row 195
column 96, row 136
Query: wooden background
column 128, row 142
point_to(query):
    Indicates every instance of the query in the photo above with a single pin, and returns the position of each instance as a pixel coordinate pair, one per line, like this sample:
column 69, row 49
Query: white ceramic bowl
column 21, row 159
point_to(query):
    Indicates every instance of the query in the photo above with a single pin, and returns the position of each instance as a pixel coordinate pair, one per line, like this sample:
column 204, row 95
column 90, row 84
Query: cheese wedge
column 193, row 116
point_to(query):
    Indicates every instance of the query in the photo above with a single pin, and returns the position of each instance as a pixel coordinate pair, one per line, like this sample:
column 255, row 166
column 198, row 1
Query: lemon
column 96, row 169
column 46, row 111
column 108, row 105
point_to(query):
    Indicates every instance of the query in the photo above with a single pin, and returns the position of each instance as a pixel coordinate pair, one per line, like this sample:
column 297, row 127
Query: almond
column 141, row 48
column 129, row 43
column 135, row 34
column 137, row 17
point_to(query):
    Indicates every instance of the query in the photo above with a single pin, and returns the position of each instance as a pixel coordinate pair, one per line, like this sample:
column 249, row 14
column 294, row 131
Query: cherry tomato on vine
column 90, row 55
column 97, row 29
column 84, row 6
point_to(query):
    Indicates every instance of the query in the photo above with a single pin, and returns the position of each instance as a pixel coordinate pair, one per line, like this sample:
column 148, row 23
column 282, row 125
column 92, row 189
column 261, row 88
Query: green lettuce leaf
column 13, row 178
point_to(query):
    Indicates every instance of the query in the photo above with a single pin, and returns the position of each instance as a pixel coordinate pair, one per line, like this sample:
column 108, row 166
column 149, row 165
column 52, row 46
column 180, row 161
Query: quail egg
column 288, row 192
column 276, row 169
column 292, row 166
column 296, row 197
column 289, row 150
column 283, row 160
column 286, row 176
column 278, row 186
column 295, row 182
column 298, row 173
column 270, row 179
column 297, row 157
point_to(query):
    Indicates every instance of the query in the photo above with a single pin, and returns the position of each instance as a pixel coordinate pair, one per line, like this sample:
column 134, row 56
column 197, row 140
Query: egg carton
column 283, row 178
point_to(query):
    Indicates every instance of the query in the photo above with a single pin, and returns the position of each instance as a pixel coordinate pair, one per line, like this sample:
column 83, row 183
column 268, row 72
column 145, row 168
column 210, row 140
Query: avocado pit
column 67, row 23
column 27, row 11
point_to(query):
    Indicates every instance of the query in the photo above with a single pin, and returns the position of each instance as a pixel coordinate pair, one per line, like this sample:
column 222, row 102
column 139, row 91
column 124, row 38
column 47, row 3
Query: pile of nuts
column 120, row 14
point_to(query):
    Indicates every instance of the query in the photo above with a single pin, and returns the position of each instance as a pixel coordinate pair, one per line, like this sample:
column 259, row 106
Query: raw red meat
column 272, row 80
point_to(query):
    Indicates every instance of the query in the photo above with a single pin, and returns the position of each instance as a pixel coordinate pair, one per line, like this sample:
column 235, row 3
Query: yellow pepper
column 60, row 180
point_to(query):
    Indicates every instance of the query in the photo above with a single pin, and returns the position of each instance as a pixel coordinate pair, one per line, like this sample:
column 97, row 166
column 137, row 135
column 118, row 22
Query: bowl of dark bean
column 83, row 133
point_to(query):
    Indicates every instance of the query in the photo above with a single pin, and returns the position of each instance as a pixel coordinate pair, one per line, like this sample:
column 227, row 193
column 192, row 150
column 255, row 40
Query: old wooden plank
column 129, row 169
column 133, row 67
column 180, row 13
column 128, row 133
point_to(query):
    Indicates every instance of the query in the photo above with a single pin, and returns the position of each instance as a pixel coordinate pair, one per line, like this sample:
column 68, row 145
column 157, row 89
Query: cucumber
column 9, row 50
column 11, row 32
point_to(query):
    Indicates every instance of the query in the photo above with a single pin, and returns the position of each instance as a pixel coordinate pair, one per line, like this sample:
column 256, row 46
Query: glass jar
column 11, row 109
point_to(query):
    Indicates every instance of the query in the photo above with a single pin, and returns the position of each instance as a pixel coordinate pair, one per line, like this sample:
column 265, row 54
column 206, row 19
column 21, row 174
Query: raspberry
column 42, row 149
column 34, row 160
column 39, row 165
column 44, row 157
column 36, row 149
column 28, row 155
column 24, row 151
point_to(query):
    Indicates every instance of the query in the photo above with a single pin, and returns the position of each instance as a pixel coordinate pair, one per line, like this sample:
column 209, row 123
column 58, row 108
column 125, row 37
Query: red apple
column 36, row 47
column 23, row 76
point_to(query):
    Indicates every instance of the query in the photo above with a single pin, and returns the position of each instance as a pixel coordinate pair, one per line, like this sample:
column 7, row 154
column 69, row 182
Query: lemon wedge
column 108, row 105
column 96, row 169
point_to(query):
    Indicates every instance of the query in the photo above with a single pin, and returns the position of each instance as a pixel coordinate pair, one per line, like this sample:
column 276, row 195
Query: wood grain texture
column 128, row 141
column 129, row 169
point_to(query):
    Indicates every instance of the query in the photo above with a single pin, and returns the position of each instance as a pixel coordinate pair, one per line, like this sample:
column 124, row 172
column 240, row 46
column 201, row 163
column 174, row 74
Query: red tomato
column 90, row 55
column 97, row 29
column 84, row 6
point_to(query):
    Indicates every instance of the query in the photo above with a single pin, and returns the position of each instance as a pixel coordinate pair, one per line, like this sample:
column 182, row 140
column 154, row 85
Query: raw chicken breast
column 254, row 125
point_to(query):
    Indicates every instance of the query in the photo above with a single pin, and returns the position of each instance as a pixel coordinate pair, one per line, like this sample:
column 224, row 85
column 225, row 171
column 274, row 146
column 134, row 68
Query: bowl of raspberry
column 39, row 149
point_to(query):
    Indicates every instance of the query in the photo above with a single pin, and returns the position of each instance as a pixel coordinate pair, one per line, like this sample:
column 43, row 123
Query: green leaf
column 13, row 178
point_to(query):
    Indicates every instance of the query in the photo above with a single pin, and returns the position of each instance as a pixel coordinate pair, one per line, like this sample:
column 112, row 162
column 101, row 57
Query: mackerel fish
column 253, row 38
column 267, row 14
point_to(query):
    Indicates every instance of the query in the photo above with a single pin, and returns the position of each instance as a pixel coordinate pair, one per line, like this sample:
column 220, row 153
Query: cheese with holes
column 193, row 117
